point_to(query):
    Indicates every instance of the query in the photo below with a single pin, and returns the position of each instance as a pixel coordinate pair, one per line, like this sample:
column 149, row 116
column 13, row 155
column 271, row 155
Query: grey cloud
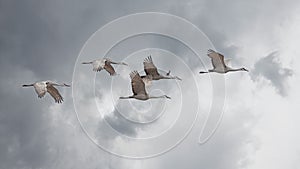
column 226, row 149
column 117, row 121
column 269, row 67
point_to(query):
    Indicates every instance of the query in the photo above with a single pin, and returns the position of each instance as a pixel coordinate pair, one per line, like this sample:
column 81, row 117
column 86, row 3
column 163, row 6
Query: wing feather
column 217, row 59
column 55, row 94
column 108, row 67
column 149, row 67
column 137, row 84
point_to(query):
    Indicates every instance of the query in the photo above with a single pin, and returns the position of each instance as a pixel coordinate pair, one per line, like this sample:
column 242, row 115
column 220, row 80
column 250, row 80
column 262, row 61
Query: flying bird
column 104, row 63
column 138, row 88
column 152, row 73
column 47, row 86
column 219, row 65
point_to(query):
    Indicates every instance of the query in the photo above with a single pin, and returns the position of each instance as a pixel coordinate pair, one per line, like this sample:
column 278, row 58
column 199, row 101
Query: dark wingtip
column 59, row 101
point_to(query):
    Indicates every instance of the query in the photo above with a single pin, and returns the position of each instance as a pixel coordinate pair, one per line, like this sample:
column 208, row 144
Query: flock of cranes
column 138, row 82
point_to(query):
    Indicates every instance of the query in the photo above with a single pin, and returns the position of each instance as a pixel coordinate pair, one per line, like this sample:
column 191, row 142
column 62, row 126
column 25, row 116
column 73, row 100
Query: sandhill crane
column 152, row 73
column 47, row 86
column 104, row 63
column 138, row 88
column 219, row 65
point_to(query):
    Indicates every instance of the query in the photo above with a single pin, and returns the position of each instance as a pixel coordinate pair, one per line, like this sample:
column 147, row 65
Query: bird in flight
column 219, row 65
column 138, row 89
column 152, row 73
column 47, row 86
column 104, row 63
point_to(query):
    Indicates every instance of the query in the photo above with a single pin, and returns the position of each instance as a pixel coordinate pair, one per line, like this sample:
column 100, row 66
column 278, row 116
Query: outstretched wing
column 217, row 59
column 108, row 67
column 149, row 67
column 55, row 94
column 137, row 84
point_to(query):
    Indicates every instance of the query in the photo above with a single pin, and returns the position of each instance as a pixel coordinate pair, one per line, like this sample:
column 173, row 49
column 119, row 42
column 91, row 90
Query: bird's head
column 66, row 85
column 123, row 63
column 244, row 69
column 166, row 96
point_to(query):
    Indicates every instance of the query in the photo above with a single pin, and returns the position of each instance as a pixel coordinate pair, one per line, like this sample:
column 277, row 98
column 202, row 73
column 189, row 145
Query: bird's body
column 104, row 63
column 219, row 64
column 152, row 72
column 41, row 88
column 138, row 89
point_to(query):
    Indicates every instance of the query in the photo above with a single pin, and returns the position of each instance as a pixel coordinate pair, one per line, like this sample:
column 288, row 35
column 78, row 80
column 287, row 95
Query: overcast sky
column 41, row 40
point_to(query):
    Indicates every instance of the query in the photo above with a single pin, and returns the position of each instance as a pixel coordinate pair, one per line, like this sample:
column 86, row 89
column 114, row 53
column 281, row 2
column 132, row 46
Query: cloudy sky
column 42, row 40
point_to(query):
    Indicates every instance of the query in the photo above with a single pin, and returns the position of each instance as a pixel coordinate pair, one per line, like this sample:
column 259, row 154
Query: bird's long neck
column 27, row 85
column 156, row 97
column 62, row 85
column 118, row 63
column 234, row 70
column 87, row 62
column 128, row 97
column 159, row 97
column 169, row 77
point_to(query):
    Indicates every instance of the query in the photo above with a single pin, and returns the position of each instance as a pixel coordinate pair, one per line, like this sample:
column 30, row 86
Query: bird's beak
column 178, row 78
column 67, row 85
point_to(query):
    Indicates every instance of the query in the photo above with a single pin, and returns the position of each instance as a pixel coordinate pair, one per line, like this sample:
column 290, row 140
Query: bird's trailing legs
column 172, row 77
